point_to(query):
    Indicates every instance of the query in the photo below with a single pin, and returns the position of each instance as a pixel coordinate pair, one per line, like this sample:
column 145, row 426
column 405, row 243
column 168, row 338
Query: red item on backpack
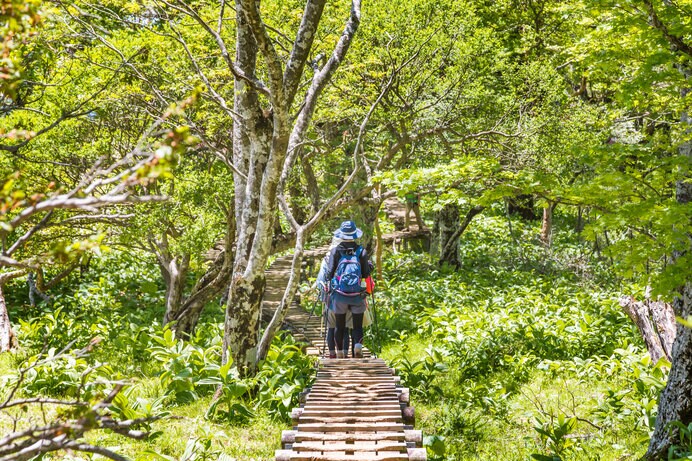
column 369, row 285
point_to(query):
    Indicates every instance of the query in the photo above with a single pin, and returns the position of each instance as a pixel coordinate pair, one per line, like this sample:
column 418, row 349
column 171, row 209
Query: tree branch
column 675, row 40
column 302, row 46
column 250, row 9
column 235, row 70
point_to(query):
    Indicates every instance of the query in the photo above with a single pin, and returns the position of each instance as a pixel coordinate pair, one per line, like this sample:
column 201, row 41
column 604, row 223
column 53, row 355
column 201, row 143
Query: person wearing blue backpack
column 322, row 285
column 348, row 269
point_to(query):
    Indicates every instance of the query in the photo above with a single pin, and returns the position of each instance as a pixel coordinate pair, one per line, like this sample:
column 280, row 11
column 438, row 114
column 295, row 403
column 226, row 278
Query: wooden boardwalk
column 356, row 410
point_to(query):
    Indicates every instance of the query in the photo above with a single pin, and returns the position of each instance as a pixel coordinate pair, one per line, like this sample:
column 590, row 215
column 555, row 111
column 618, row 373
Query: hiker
column 348, row 269
column 412, row 204
column 322, row 284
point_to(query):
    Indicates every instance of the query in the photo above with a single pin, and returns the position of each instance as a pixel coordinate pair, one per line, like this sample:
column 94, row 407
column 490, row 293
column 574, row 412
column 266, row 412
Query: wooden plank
column 348, row 437
column 351, row 419
column 376, row 405
column 345, row 384
column 357, row 378
column 346, row 377
column 352, row 427
column 343, row 394
column 318, row 456
column 359, row 391
column 355, row 447
column 348, row 398
column 351, row 387
column 349, row 412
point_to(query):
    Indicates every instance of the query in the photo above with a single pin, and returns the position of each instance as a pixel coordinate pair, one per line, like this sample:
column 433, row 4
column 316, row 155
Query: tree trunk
column 368, row 210
column 311, row 180
column 675, row 403
column 242, row 326
column 547, row 224
column 244, row 308
column 289, row 294
column 295, row 193
column 251, row 151
column 579, row 227
column 8, row 340
column 452, row 245
column 176, row 274
column 656, row 323
column 214, row 281
column 378, row 249
column 448, row 225
column 261, row 137
column 211, row 284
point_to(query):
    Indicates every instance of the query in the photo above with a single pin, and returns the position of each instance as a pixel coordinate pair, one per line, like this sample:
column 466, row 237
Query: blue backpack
column 348, row 274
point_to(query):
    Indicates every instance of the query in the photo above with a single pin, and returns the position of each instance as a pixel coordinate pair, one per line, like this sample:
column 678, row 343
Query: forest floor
column 520, row 353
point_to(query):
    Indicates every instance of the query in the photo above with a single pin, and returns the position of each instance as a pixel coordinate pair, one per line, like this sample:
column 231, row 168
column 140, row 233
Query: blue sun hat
column 348, row 231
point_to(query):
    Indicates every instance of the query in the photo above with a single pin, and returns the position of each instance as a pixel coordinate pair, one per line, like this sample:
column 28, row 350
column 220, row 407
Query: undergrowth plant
column 518, row 341
column 683, row 449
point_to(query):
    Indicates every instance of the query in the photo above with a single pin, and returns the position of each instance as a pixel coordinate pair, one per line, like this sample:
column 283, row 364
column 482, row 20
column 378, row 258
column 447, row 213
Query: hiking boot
column 358, row 351
column 339, row 354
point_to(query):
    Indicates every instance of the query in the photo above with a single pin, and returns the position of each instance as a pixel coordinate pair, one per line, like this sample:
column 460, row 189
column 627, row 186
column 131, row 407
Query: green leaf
column 684, row 322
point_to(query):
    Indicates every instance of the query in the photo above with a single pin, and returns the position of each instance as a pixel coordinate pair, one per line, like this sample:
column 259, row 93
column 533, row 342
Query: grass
column 472, row 433
column 187, row 429
column 524, row 345
column 494, row 354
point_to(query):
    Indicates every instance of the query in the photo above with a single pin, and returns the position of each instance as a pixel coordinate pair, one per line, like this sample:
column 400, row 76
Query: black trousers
column 356, row 333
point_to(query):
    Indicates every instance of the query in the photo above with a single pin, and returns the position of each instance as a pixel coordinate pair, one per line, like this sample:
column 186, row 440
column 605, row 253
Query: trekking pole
column 310, row 314
column 377, row 327
column 324, row 335
column 325, row 308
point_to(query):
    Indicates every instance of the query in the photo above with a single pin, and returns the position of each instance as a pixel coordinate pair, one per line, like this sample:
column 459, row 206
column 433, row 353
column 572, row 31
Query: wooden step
column 352, row 427
column 350, row 413
column 351, row 419
column 354, row 397
column 345, row 436
column 286, row 455
column 363, row 405
column 357, row 446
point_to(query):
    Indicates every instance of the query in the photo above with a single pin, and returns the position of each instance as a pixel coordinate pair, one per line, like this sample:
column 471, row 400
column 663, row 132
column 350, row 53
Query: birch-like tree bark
column 262, row 134
column 7, row 338
column 447, row 224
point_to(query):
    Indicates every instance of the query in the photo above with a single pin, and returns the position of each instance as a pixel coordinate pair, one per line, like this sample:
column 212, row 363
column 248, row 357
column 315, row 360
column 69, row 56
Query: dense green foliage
column 165, row 376
column 578, row 109
column 511, row 356
column 515, row 358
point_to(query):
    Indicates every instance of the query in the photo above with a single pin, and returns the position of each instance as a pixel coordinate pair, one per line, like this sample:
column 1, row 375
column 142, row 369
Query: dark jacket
column 344, row 248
